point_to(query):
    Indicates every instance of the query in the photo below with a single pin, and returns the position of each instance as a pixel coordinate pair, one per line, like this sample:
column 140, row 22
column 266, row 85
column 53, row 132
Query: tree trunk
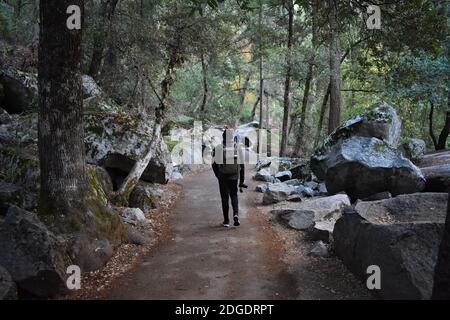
column 242, row 98
column 261, row 84
column 287, row 84
column 205, row 82
column 139, row 167
column 322, row 115
column 441, row 287
column 442, row 141
column 335, row 72
column 309, row 79
column 107, row 10
column 61, row 131
column 430, row 125
column 253, row 114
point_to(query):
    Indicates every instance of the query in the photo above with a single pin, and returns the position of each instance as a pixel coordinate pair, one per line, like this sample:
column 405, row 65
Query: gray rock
column 145, row 197
column 293, row 182
column 20, row 91
column 301, row 171
column 283, row 175
column 296, row 219
column 134, row 216
column 263, row 164
column 8, row 289
column 319, row 249
column 277, row 192
column 316, row 233
column 262, row 187
column 308, row 192
column 379, row 121
column 134, row 236
column 312, row 185
column 436, row 169
column 413, row 149
column 405, row 252
column 115, row 141
column 32, row 255
column 176, row 176
column 363, row 166
column 295, row 198
column 263, row 175
column 326, row 207
column 322, row 189
column 378, row 196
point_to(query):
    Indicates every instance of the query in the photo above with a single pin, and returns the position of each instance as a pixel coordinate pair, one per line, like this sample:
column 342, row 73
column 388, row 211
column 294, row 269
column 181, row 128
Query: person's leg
column 224, row 196
column 233, row 190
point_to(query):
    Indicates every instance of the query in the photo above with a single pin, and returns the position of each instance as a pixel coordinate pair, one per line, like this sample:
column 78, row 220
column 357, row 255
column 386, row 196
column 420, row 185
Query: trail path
column 203, row 260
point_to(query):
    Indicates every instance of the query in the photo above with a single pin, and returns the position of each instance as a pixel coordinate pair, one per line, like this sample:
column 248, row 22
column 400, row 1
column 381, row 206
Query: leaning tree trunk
column 442, row 141
column 441, row 287
column 139, row 167
column 287, row 84
column 205, row 82
column 335, row 70
column 61, row 132
column 322, row 115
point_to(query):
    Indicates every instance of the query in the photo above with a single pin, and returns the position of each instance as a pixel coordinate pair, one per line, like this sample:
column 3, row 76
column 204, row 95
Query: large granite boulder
column 20, row 91
column 8, row 289
column 31, row 254
column 413, row 149
column 436, row 169
column 115, row 141
column 400, row 235
column 379, row 121
column 277, row 192
column 362, row 166
column 145, row 196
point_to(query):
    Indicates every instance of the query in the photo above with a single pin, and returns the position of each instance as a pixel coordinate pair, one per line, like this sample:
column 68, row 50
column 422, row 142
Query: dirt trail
column 203, row 260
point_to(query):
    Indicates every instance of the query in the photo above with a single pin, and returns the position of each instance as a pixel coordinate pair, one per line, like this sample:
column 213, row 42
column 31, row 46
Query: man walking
column 228, row 167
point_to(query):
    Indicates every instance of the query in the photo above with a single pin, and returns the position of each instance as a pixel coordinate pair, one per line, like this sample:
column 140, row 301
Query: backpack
column 230, row 165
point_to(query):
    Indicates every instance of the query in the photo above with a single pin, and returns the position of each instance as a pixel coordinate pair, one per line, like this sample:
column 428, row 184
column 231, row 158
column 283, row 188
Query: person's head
column 228, row 135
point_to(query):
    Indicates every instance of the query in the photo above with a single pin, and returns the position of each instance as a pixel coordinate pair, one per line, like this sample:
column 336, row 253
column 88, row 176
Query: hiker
column 228, row 167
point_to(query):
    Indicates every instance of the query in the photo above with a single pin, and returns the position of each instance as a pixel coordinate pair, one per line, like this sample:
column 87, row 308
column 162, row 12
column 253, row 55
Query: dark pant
column 229, row 189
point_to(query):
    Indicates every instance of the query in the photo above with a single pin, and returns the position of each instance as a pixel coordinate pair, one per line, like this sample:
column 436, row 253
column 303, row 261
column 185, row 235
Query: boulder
column 319, row 231
column 283, row 175
column 319, row 249
column 115, row 141
column 293, row 182
column 379, row 121
column 399, row 237
column 311, row 185
column 31, row 254
column 138, row 237
column 277, row 192
column 134, row 216
column 301, row 171
column 363, row 166
column 145, row 197
column 264, row 175
column 262, row 187
column 20, row 91
column 326, row 207
column 413, row 149
column 378, row 196
column 308, row 192
column 296, row 219
column 322, row 189
column 176, row 176
column 8, row 289
column 436, row 169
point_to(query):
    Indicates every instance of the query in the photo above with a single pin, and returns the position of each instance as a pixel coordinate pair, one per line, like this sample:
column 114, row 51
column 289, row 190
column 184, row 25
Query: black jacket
column 219, row 175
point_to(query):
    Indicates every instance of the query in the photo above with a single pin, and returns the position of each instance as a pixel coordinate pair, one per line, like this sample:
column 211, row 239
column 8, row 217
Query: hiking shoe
column 236, row 221
column 226, row 224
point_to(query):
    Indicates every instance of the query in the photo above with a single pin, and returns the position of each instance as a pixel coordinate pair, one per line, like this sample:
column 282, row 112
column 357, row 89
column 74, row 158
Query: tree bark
column 441, row 287
column 61, row 131
column 261, row 84
column 205, row 82
column 287, row 84
column 107, row 10
column 430, row 125
column 242, row 98
column 442, row 141
column 253, row 114
column 335, row 72
column 322, row 115
column 309, row 79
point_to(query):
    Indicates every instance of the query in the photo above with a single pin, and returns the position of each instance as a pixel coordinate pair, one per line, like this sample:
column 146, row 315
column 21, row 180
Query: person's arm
column 215, row 166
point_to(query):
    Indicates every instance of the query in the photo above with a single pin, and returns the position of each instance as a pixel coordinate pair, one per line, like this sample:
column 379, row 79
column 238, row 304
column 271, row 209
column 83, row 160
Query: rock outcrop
column 8, row 289
column 436, row 169
column 379, row 121
column 413, row 149
column 20, row 91
column 400, row 235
